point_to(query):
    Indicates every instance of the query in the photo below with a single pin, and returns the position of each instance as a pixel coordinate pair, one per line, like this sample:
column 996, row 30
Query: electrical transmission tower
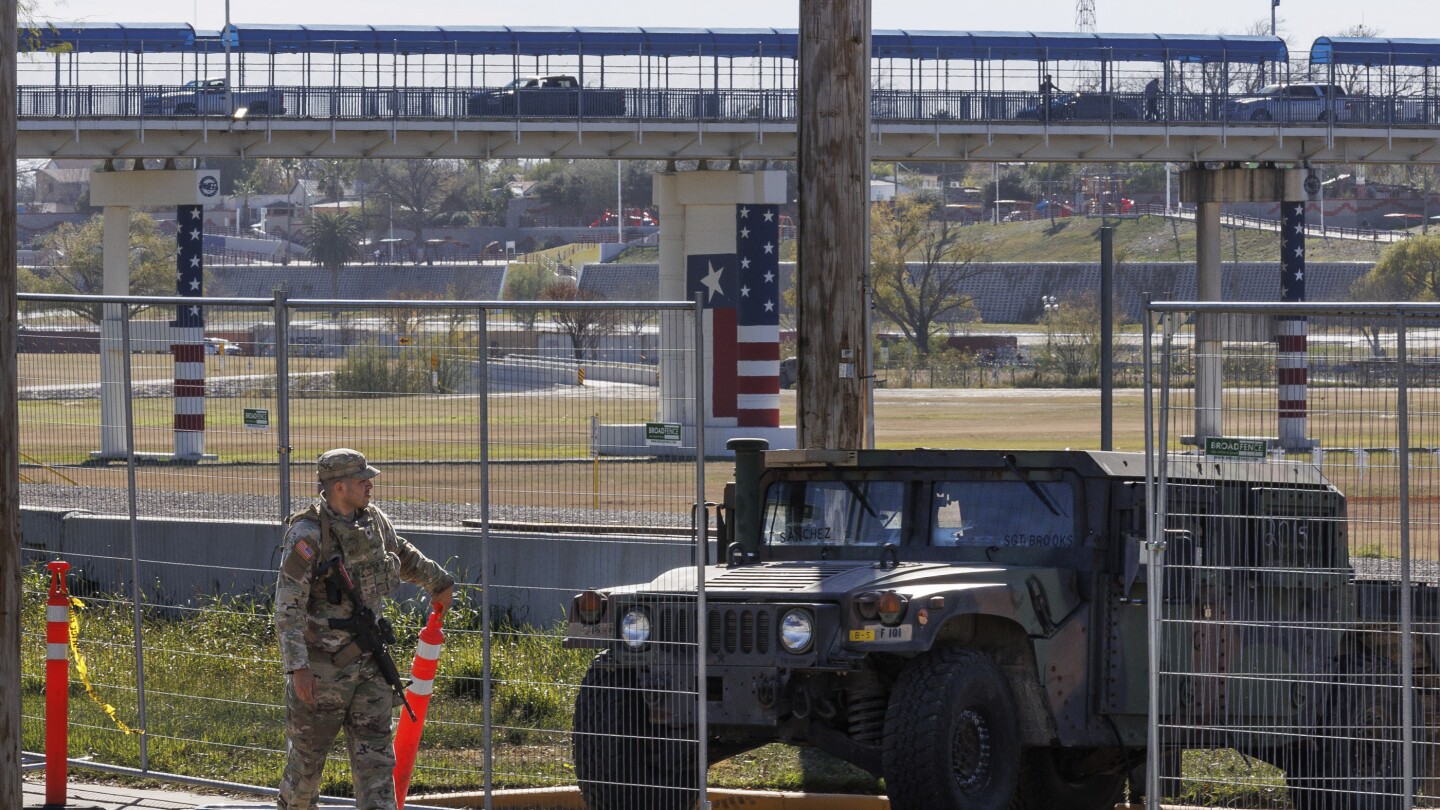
column 1085, row 15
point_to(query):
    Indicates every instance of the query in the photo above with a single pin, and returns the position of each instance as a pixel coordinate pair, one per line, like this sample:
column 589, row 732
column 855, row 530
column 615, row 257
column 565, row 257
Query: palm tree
column 333, row 242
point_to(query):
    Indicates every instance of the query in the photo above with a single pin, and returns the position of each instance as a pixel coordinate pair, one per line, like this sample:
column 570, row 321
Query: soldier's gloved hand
column 305, row 681
column 444, row 598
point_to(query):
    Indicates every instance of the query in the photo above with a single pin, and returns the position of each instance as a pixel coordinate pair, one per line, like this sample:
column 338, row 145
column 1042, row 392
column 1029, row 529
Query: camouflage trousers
column 354, row 697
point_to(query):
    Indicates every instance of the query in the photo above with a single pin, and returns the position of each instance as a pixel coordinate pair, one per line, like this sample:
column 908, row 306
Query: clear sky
column 1300, row 20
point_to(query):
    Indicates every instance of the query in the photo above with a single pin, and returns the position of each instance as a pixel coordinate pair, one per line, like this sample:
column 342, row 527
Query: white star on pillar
column 194, row 261
column 195, row 234
column 1299, row 210
column 1299, row 275
column 195, row 212
column 744, row 213
column 769, row 248
column 712, row 281
column 1299, row 252
column 195, row 311
column 744, row 233
column 769, row 277
column 194, row 283
column 769, row 306
column 745, row 291
column 769, row 215
column 744, row 264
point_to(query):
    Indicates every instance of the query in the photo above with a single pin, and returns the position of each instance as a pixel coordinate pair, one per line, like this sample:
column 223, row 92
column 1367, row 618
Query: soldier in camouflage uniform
column 329, row 682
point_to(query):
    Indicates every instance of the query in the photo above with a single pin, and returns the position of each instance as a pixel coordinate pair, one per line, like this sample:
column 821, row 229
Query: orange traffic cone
column 422, row 684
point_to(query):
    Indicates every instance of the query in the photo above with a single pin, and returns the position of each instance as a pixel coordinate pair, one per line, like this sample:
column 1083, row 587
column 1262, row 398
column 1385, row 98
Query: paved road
column 84, row 796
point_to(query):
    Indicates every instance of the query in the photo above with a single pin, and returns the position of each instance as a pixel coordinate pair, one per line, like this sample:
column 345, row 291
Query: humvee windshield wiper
column 1034, row 487
column 855, row 490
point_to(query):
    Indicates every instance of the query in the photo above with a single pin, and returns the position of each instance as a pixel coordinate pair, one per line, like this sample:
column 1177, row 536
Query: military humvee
column 971, row 625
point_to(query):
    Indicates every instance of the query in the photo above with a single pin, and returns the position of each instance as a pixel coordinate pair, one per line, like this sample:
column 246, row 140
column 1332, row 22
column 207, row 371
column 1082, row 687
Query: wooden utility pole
column 10, row 783
column 833, row 295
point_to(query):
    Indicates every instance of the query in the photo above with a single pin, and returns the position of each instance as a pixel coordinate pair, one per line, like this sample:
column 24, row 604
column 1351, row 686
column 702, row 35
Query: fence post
column 127, row 380
column 282, row 396
column 1407, row 647
column 702, row 555
column 482, row 332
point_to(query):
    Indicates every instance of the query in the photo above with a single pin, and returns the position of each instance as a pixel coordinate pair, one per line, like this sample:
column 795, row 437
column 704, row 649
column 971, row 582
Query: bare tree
column 415, row 190
column 527, row 282
column 919, row 266
column 585, row 327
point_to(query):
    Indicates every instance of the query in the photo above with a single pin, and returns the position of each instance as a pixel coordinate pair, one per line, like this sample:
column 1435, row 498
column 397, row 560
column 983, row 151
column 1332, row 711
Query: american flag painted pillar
column 712, row 276
column 741, row 298
column 757, row 244
column 188, row 334
column 1291, row 331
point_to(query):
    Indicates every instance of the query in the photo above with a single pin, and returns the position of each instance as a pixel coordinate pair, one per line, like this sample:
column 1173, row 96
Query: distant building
column 61, row 184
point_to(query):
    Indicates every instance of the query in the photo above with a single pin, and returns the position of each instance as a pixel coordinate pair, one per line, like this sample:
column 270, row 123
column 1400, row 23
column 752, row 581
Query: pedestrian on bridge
column 330, row 682
column 1047, row 94
column 1152, row 100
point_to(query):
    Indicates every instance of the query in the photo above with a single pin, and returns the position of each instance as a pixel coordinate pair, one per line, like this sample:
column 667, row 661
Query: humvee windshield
column 1002, row 513
column 834, row 513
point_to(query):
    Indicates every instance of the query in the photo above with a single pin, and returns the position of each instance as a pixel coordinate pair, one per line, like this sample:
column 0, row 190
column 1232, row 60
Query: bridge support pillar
column 720, row 238
column 115, row 280
column 116, row 192
column 1209, row 189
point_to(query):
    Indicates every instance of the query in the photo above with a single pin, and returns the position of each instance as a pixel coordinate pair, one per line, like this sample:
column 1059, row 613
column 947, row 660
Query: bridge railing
column 724, row 105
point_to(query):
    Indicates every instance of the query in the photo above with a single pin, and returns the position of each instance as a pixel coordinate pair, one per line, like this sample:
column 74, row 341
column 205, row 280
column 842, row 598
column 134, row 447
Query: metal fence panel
column 1294, row 479
column 514, row 451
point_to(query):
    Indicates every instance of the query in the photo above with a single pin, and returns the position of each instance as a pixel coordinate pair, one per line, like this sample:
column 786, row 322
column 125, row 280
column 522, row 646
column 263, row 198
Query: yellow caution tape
column 80, row 667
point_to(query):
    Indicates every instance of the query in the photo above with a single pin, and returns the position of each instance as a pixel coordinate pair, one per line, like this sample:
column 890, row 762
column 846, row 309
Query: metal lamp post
column 229, row 85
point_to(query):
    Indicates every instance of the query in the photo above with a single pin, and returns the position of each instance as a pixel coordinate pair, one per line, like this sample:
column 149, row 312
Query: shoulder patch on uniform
column 304, row 550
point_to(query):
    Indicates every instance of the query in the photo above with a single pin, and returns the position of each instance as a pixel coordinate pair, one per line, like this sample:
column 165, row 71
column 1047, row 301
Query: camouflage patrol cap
column 342, row 462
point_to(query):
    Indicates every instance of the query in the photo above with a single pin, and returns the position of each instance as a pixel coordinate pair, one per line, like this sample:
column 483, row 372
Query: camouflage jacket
column 377, row 559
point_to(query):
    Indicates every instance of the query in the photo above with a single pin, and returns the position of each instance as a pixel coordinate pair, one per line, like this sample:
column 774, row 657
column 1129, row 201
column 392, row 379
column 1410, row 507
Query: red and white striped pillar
column 422, row 685
column 57, row 685
column 1292, row 332
column 188, row 333
column 757, row 336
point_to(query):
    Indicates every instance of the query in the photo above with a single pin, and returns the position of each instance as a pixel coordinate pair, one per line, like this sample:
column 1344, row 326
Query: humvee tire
column 952, row 734
column 622, row 760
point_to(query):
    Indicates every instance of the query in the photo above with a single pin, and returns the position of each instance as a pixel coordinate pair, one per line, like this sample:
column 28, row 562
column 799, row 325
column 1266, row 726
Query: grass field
column 1145, row 239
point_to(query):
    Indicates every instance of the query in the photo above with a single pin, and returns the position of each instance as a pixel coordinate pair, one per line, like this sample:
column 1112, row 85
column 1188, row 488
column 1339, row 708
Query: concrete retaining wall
column 564, row 372
column 532, row 576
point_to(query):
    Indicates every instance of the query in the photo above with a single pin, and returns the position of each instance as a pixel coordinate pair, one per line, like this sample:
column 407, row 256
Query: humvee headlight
column 797, row 630
column 891, row 607
column 635, row 628
column 589, row 606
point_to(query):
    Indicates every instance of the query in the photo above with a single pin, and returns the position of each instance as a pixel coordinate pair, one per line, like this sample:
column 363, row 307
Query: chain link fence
column 1294, row 591
column 160, row 460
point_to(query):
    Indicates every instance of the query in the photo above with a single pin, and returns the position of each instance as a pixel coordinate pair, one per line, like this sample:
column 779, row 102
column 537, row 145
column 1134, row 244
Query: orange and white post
column 57, row 685
column 422, row 684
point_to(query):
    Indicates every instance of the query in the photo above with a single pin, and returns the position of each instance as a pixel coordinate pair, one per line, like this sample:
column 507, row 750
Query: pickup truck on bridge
column 208, row 97
column 547, row 95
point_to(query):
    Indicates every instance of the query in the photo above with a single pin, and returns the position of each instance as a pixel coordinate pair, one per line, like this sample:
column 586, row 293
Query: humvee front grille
column 731, row 629
column 675, row 624
column 743, row 629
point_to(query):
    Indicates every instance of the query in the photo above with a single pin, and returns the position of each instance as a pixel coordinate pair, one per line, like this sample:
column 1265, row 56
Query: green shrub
column 375, row 371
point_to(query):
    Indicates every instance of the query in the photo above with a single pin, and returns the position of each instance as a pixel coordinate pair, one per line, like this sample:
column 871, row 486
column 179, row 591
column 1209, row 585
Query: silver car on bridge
column 1301, row 101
